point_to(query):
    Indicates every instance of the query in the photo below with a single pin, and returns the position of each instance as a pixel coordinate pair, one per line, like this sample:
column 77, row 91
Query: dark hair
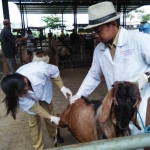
column 118, row 23
column 12, row 85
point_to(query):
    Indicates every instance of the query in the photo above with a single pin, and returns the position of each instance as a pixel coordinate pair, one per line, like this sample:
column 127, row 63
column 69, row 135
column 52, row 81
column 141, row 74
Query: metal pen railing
column 122, row 143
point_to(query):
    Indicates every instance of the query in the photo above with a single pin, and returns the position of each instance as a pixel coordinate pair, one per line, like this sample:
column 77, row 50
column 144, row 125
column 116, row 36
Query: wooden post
column 53, row 43
column 5, row 67
column 56, row 56
column 56, row 60
column 82, row 47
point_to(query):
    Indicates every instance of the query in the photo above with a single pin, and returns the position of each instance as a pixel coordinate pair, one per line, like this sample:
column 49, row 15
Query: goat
column 26, row 56
column 65, row 55
column 96, row 120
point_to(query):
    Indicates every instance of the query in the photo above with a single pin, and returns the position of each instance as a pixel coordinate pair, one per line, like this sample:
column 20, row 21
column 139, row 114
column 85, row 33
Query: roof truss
column 67, row 6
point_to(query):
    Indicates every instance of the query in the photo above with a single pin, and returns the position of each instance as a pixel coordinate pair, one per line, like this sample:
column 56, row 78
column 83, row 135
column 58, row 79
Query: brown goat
column 47, row 55
column 95, row 120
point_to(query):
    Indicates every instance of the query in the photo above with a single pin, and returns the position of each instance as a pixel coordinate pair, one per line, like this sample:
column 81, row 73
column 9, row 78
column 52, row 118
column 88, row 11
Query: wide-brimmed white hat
column 101, row 13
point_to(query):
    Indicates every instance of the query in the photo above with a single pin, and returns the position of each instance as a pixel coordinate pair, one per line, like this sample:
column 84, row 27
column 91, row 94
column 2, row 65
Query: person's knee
column 34, row 120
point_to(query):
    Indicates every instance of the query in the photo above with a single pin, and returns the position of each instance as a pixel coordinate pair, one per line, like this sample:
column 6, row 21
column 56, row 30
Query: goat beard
column 108, row 128
column 111, row 129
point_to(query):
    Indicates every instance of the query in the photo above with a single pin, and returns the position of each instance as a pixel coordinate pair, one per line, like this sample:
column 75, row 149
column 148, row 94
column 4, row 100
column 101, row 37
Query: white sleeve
column 49, row 70
column 145, row 48
column 92, row 79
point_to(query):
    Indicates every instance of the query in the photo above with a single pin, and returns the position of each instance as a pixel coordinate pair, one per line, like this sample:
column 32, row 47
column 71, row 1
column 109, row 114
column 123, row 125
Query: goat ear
column 106, row 106
column 134, row 118
column 113, row 117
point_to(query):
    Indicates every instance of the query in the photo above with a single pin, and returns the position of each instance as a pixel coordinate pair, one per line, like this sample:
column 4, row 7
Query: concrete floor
column 15, row 135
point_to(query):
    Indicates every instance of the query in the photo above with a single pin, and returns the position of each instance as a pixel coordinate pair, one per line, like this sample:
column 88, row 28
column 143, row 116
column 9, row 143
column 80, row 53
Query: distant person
column 144, row 27
column 50, row 34
column 62, row 33
column 8, row 41
column 66, row 39
column 30, row 41
column 54, row 37
column 74, row 37
column 41, row 36
column 62, row 36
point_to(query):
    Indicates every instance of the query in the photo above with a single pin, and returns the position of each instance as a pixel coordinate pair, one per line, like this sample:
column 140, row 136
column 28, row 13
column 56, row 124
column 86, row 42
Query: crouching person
column 30, row 88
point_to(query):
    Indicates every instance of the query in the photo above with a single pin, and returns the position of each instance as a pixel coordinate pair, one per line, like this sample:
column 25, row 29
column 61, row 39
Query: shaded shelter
column 69, row 7
column 66, row 7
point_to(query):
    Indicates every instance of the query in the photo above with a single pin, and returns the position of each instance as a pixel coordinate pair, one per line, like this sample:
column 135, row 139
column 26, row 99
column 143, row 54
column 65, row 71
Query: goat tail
column 64, row 117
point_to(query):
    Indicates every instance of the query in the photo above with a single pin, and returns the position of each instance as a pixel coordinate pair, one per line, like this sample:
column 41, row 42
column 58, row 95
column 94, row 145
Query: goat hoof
column 55, row 142
column 60, row 140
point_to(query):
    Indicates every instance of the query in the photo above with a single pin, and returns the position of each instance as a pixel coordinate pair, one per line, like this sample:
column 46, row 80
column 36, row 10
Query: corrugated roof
column 66, row 6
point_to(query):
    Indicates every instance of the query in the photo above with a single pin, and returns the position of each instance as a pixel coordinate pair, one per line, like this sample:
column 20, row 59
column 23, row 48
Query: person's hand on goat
column 55, row 120
column 66, row 91
column 140, row 80
column 74, row 98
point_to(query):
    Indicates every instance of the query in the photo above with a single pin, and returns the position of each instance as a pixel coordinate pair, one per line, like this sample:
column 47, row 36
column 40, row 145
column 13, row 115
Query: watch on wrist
column 148, row 75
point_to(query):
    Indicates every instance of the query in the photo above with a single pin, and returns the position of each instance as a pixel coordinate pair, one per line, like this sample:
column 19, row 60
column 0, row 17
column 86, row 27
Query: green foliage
column 145, row 18
column 139, row 11
column 34, row 33
column 142, row 16
column 130, row 16
column 53, row 22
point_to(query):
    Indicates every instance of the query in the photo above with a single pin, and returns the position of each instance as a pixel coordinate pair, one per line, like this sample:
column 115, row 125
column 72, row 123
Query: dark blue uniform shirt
column 8, row 43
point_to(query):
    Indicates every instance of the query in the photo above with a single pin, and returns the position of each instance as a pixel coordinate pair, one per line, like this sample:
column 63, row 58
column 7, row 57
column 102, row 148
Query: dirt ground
column 15, row 135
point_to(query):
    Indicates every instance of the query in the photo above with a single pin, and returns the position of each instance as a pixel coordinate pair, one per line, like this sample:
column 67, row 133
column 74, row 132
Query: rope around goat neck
column 146, row 129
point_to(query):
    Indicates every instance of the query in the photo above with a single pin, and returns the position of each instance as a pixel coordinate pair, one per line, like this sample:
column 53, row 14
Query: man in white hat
column 8, row 41
column 121, row 55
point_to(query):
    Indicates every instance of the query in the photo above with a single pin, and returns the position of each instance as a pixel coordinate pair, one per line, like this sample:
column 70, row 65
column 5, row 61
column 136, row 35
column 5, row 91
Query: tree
column 34, row 33
column 145, row 18
column 130, row 16
column 53, row 22
column 142, row 16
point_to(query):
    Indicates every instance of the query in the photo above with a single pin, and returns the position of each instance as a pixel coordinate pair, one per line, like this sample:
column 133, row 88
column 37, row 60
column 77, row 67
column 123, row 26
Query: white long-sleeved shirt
column 132, row 57
column 39, row 74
